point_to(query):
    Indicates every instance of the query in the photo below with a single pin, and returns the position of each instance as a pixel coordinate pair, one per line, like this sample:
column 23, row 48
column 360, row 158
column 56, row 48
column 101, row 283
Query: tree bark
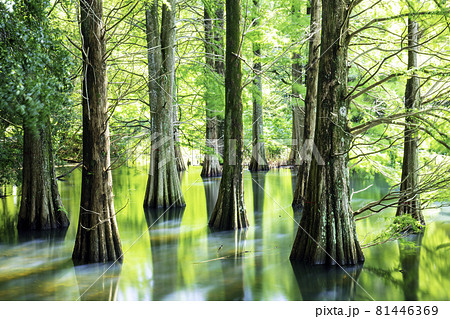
column 327, row 232
column 229, row 212
column 40, row 206
column 163, row 185
column 312, row 77
column 214, row 64
column 297, row 111
column 97, row 237
column 258, row 161
column 409, row 202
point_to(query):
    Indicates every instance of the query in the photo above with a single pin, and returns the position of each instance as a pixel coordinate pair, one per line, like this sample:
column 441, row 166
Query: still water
column 174, row 256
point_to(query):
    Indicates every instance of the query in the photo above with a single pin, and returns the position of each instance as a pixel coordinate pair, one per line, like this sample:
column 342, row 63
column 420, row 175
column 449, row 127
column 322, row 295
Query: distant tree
column 258, row 162
column 298, row 113
column 213, row 41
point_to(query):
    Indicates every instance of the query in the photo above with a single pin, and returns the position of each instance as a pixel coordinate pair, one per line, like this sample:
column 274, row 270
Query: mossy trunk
column 311, row 82
column 409, row 202
column 327, row 232
column 297, row 111
column 40, row 206
column 215, row 69
column 258, row 161
column 97, row 238
column 163, row 185
column 229, row 212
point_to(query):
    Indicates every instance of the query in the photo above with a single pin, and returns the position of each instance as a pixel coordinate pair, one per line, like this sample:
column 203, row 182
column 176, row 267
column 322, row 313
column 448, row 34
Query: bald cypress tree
column 327, row 233
column 229, row 212
column 163, row 185
column 97, row 237
column 409, row 202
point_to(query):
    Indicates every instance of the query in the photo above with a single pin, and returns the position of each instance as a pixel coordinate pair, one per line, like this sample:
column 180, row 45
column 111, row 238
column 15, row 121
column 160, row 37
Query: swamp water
column 174, row 256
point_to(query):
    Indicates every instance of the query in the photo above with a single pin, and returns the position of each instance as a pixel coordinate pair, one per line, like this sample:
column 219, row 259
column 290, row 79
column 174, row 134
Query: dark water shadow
column 258, row 185
column 326, row 283
column 211, row 185
column 409, row 249
column 230, row 254
column 164, row 231
column 52, row 235
column 98, row 282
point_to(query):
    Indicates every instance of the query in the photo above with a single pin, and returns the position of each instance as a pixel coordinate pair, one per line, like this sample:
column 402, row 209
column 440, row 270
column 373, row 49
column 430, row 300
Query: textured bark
column 258, row 161
column 327, row 232
column 312, row 77
column 229, row 212
column 409, row 202
column 214, row 63
column 97, row 237
column 163, row 185
column 40, row 206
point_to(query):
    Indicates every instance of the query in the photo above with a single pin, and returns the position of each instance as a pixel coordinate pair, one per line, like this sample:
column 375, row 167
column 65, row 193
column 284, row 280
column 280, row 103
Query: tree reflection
column 230, row 255
column 211, row 185
column 322, row 282
column 164, row 231
column 258, row 184
column 409, row 263
column 98, row 282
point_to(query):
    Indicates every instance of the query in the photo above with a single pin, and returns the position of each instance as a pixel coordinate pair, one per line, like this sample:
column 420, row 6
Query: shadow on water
column 409, row 263
column 98, row 282
column 326, row 283
column 258, row 184
column 164, row 230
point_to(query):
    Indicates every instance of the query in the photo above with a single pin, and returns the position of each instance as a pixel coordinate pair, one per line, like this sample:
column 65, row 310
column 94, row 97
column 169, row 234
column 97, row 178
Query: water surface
column 174, row 256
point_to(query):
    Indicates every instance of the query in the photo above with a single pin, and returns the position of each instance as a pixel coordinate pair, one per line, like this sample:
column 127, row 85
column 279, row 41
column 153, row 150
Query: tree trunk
column 229, row 212
column 409, row 202
column 176, row 137
column 40, row 206
column 258, row 161
column 213, row 57
column 97, row 237
column 327, row 232
column 312, row 77
column 163, row 185
column 297, row 111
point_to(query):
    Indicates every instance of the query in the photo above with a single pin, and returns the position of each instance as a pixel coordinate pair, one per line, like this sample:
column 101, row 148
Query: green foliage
column 34, row 71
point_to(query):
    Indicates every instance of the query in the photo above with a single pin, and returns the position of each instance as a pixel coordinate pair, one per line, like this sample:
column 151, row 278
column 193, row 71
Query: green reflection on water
column 174, row 256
